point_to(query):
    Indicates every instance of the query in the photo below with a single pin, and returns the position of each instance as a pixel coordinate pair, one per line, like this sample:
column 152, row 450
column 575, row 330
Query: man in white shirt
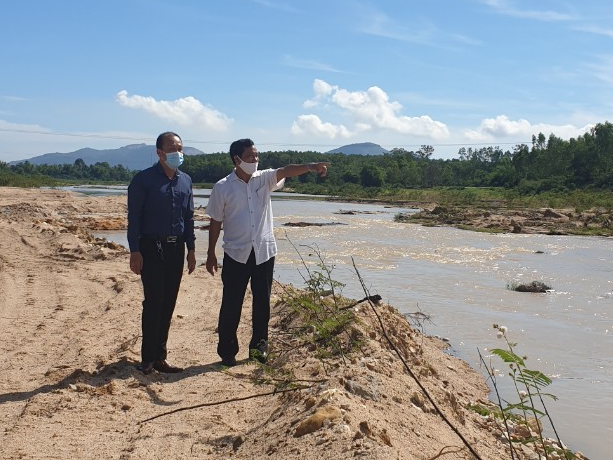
column 241, row 202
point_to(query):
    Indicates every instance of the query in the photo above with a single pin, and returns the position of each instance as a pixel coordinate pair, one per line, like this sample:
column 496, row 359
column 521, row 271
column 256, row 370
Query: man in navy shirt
column 160, row 226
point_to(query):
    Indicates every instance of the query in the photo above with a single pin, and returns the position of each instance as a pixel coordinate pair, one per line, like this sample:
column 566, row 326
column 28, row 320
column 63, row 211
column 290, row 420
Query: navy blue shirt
column 160, row 206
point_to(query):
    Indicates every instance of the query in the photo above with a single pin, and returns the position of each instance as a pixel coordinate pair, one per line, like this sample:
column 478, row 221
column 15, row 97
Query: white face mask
column 248, row 168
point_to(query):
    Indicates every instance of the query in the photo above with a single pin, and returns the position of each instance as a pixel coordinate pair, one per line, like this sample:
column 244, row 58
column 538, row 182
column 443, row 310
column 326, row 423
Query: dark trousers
column 161, row 277
column 235, row 277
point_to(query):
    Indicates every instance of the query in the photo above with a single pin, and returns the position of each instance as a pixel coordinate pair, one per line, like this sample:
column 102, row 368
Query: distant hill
column 134, row 157
column 364, row 148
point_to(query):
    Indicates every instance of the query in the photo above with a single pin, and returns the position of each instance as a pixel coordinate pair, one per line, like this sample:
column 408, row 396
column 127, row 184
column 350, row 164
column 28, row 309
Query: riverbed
column 461, row 280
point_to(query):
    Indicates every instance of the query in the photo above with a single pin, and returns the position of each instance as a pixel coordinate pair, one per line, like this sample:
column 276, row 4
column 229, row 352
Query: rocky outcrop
column 504, row 220
column 311, row 224
column 534, row 286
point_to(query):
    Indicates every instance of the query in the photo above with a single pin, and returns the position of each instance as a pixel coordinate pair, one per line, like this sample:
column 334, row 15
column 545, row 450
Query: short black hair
column 238, row 147
column 159, row 143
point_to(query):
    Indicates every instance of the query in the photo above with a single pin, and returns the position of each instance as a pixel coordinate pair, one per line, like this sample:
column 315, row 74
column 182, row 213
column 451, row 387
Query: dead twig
column 127, row 344
column 226, row 401
column 443, row 452
column 406, row 365
column 373, row 298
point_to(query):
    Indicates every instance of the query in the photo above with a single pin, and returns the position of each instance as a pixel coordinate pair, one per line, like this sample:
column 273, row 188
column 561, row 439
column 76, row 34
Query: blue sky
column 301, row 75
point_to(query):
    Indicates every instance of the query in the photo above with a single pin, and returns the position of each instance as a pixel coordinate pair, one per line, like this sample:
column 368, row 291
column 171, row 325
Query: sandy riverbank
column 70, row 316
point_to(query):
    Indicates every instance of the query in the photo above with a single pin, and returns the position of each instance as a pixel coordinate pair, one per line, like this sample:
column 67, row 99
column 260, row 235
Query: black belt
column 164, row 239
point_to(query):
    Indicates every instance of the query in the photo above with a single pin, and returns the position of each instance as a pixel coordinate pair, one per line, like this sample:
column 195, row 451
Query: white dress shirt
column 245, row 210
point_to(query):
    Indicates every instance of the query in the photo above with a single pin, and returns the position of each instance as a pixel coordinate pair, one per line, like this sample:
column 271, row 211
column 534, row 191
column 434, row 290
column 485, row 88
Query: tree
column 371, row 176
column 425, row 152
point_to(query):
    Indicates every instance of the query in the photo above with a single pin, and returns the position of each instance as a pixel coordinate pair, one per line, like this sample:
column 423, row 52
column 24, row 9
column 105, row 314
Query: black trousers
column 161, row 277
column 235, row 277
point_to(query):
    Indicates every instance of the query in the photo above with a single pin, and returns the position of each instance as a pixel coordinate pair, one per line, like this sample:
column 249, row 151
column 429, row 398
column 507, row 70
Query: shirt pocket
column 262, row 192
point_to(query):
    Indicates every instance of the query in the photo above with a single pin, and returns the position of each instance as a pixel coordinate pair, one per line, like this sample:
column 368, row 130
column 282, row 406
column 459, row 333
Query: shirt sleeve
column 214, row 207
column 136, row 203
column 272, row 180
column 189, row 233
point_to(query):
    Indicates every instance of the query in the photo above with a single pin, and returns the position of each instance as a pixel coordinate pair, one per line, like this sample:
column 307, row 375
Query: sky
column 302, row 75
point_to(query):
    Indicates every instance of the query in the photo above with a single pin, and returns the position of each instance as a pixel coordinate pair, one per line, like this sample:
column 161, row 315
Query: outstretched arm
column 320, row 168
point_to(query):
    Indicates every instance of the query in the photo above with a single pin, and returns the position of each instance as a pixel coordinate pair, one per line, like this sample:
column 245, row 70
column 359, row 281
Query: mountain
column 134, row 157
column 364, row 148
column 140, row 156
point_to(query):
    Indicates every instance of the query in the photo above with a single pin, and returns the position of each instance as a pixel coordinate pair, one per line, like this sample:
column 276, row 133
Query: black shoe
column 163, row 366
column 260, row 352
column 228, row 361
column 145, row 367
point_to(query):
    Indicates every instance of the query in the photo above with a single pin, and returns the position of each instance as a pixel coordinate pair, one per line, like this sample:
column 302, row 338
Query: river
column 460, row 279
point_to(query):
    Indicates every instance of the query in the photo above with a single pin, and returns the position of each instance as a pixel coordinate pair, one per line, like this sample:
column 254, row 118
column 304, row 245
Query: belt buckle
column 171, row 239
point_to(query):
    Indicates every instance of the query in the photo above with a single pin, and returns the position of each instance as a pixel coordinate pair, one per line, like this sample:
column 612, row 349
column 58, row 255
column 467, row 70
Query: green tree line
column 548, row 164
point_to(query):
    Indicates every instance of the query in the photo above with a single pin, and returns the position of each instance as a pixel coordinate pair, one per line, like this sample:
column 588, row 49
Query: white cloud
column 312, row 125
column 371, row 110
column 321, row 90
column 7, row 126
column 508, row 9
column 380, row 24
column 603, row 70
column 520, row 130
column 308, row 64
column 419, row 30
column 187, row 111
column 594, row 30
column 310, row 103
column 13, row 98
column 277, row 6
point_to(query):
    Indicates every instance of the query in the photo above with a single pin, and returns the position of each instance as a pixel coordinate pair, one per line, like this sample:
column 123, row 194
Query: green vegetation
column 319, row 315
column 17, row 180
column 28, row 175
column 316, row 319
column 528, row 413
column 551, row 172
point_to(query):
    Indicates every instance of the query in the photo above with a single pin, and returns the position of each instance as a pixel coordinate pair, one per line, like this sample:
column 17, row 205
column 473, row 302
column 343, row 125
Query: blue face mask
column 174, row 159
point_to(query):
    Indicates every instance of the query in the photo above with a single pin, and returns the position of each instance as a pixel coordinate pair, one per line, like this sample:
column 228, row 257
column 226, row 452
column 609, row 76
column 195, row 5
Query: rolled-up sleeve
column 272, row 180
column 214, row 207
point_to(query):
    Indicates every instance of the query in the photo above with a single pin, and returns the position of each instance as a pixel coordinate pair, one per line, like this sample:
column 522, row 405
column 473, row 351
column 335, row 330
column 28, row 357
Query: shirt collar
column 160, row 169
column 234, row 176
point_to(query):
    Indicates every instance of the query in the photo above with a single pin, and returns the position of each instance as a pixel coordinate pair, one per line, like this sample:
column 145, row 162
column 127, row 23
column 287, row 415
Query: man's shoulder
column 226, row 181
column 185, row 177
column 265, row 173
column 143, row 174
column 148, row 171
